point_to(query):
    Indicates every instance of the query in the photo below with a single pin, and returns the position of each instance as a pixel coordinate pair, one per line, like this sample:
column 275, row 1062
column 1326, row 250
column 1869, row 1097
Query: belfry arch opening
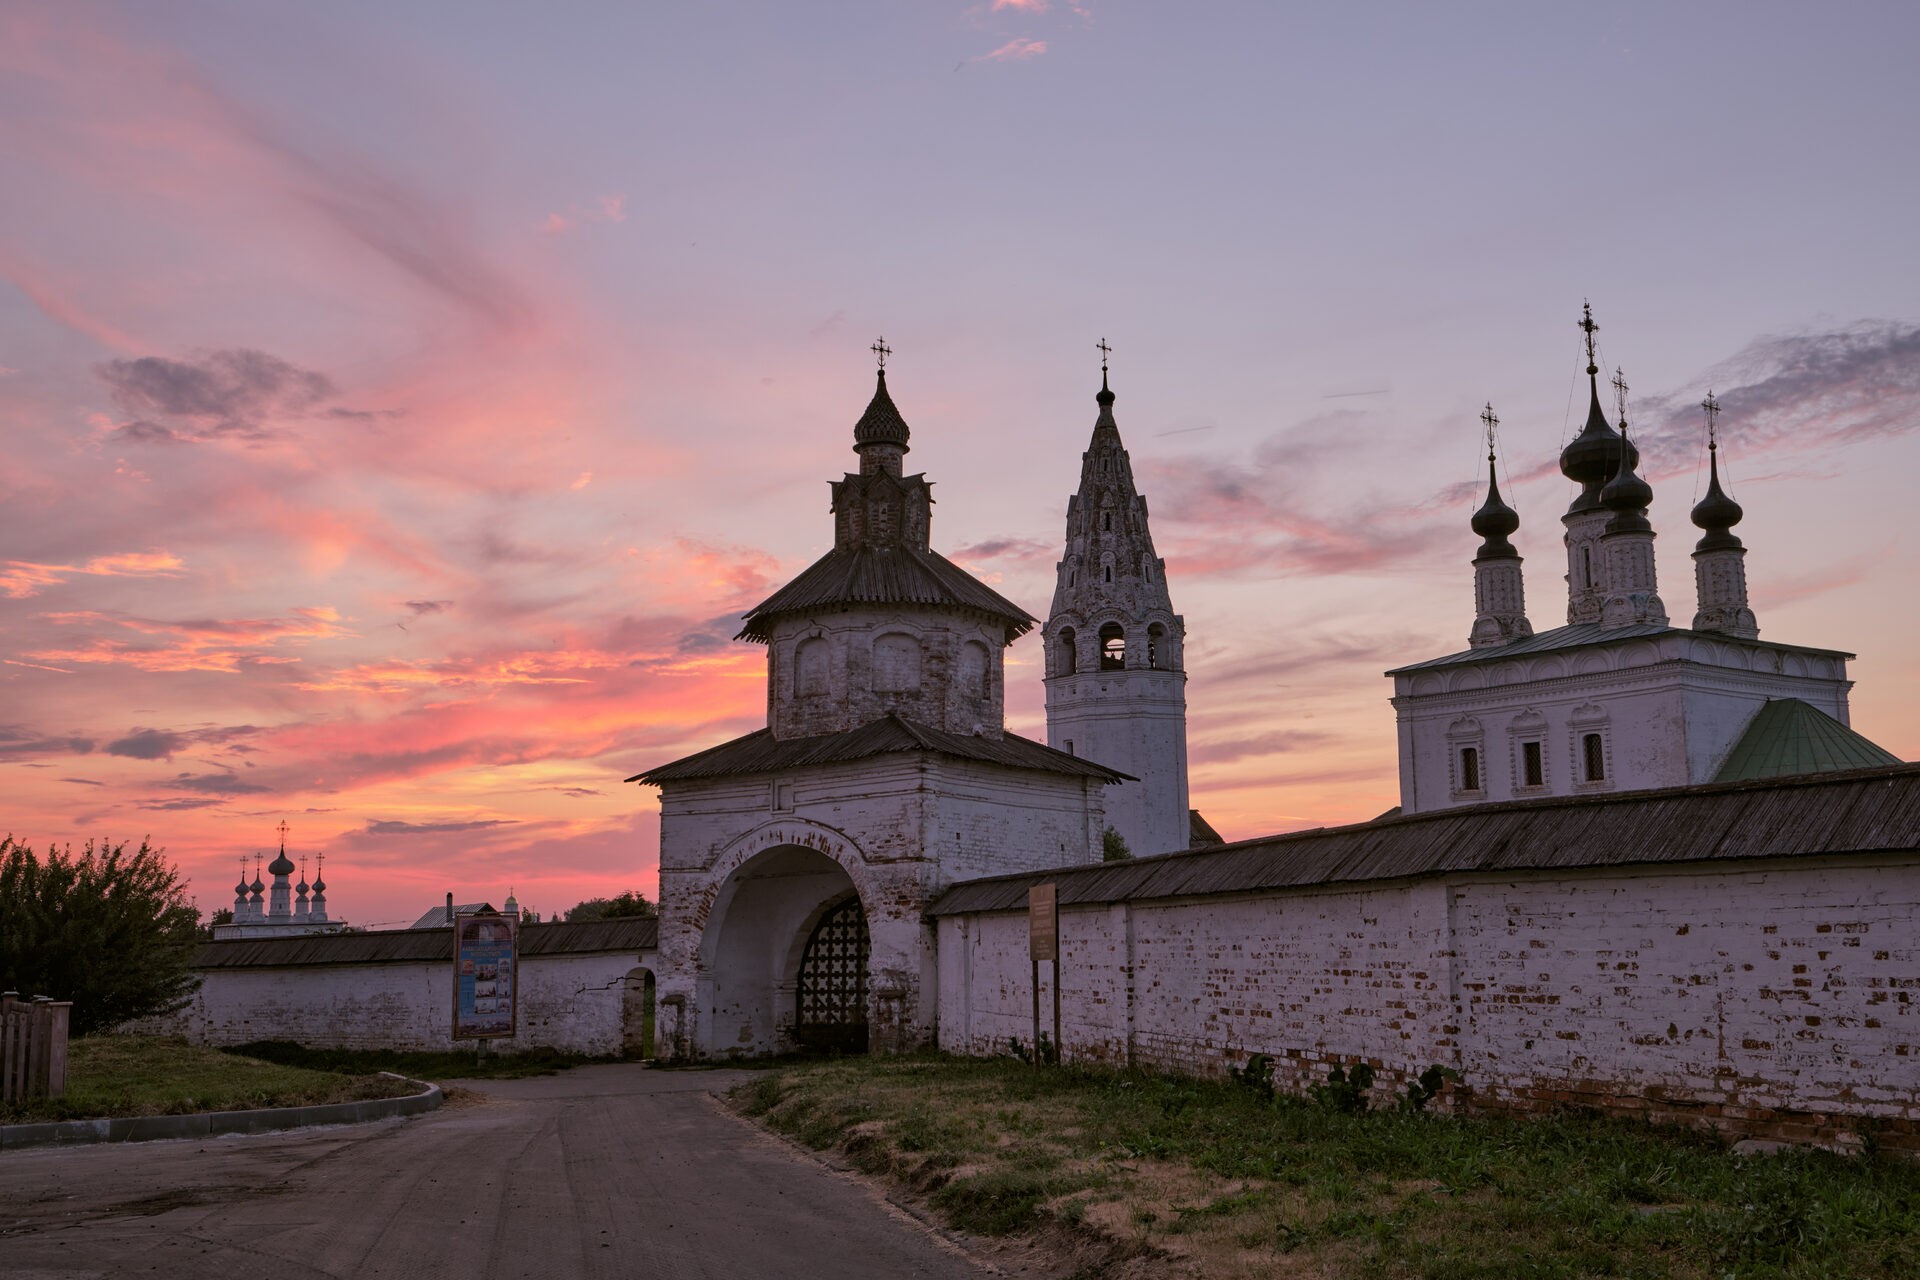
column 1113, row 647
column 784, row 958
column 1066, row 661
column 1157, row 656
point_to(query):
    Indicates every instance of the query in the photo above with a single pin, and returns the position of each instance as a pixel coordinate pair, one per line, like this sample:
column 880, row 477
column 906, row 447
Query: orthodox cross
column 1712, row 406
column 881, row 351
column 1487, row 416
column 1104, row 349
column 283, row 829
column 1586, row 322
column 1620, row 396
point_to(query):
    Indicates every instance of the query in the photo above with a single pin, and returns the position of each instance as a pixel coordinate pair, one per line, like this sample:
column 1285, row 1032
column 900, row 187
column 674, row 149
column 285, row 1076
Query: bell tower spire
column 1115, row 670
column 1499, row 595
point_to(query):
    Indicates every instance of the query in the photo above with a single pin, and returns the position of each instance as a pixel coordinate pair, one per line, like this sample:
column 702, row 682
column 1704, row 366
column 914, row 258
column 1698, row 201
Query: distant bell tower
column 1116, row 677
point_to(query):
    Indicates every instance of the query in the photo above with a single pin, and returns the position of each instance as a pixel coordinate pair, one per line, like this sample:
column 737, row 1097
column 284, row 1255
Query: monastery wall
column 1770, row 999
column 569, row 1002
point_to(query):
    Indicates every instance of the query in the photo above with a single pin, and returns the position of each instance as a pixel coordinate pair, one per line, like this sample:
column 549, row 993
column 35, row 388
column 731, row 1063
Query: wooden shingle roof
column 1866, row 811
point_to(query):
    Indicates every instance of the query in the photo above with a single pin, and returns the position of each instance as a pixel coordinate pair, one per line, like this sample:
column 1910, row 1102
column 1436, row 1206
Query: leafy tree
column 223, row 916
column 1113, row 846
column 627, row 906
column 110, row 930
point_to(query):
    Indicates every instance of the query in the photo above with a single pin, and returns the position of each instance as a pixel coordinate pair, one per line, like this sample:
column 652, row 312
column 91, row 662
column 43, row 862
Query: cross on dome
column 1488, row 417
column 1586, row 323
column 881, row 351
column 1712, row 406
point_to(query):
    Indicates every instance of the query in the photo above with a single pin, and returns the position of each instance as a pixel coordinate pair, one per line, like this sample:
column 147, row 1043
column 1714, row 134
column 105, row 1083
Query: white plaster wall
column 1673, row 706
column 570, row 1002
column 1733, row 992
column 1133, row 720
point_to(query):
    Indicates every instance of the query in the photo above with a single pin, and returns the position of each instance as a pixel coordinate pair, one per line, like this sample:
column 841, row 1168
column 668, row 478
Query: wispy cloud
column 1018, row 49
column 391, row 827
column 20, row 578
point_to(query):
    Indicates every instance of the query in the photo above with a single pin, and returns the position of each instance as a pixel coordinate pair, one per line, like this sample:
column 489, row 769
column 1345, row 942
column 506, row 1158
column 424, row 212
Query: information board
column 1043, row 921
column 485, row 976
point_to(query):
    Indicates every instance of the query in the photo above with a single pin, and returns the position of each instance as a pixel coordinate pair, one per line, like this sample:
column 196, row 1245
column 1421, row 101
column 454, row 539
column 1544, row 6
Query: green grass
column 1234, row 1182
column 454, row 1065
column 152, row 1075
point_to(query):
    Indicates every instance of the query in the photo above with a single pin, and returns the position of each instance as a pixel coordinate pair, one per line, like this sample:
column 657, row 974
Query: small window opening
column 1156, row 646
column 1594, row 754
column 1586, row 568
column 1108, row 570
column 1113, row 647
column 1530, row 765
column 1105, row 463
column 1070, row 750
column 1106, row 522
column 1469, row 768
column 1067, row 661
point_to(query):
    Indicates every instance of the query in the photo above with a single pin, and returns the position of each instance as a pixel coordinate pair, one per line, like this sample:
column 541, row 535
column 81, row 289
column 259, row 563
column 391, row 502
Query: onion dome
column 1627, row 495
column 281, row 866
column 1104, row 398
column 1495, row 521
column 319, row 885
column 1593, row 456
column 302, row 887
column 881, row 424
column 240, row 890
column 257, row 887
column 1716, row 513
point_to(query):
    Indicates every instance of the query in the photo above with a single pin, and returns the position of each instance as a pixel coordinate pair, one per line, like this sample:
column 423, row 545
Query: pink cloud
column 20, row 579
column 1018, row 49
column 1021, row 6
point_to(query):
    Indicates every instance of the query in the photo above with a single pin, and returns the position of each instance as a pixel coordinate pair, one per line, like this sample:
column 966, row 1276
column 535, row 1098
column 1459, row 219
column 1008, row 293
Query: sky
column 402, row 401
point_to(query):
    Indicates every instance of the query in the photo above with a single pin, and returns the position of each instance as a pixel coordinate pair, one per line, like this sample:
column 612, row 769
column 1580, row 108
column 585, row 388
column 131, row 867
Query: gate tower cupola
column 1115, row 649
column 884, row 625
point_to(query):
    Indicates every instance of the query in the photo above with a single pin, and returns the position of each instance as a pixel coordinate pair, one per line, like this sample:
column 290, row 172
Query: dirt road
column 611, row 1171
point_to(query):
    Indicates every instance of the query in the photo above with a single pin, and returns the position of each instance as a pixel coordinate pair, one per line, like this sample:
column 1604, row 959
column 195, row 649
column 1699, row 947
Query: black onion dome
column 881, row 423
column 281, row 866
column 1716, row 512
column 319, row 885
column 257, row 886
column 1594, row 455
column 1627, row 492
column 240, row 890
column 1495, row 521
column 1105, row 395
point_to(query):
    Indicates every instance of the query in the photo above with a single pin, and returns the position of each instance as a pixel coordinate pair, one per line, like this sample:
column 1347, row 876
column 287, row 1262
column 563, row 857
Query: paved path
column 609, row 1171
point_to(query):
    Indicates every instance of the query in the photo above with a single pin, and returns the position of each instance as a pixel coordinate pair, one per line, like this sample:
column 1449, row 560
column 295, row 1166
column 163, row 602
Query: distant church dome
column 281, row 866
column 1495, row 521
column 1717, row 513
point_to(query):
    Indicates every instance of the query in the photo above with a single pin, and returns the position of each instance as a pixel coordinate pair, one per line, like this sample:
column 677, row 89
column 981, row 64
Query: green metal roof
column 1787, row 737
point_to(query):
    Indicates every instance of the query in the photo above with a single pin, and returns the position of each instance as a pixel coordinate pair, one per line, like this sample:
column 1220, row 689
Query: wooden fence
column 33, row 1047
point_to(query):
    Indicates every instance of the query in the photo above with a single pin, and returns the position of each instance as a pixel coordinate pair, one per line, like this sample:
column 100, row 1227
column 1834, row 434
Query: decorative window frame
column 1528, row 726
column 1462, row 734
column 780, row 797
column 1591, row 718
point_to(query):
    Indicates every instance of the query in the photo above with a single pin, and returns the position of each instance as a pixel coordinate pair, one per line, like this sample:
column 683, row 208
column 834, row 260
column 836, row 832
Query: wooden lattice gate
column 831, row 992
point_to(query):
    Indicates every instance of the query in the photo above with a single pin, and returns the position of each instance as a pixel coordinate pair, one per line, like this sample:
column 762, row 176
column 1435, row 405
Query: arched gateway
column 796, row 862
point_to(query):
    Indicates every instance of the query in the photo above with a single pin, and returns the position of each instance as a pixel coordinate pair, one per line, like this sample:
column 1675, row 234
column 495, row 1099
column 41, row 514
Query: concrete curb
column 209, row 1124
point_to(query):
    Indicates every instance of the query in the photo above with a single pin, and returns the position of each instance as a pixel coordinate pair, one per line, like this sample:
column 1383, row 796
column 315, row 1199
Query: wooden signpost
column 1043, row 943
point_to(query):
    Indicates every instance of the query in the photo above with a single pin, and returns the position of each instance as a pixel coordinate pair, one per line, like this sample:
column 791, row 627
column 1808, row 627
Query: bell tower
column 1115, row 649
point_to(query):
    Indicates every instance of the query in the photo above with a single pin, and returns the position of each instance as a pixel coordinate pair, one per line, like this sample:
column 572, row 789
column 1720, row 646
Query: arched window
column 896, row 664
column 1469, row 768
column 1106, row 522
column 1156, row 646
column 1593, row 757
column 1107, row 569
column 1113, row 647
column 973, row 669
column 810, row 668
column 1066, row 662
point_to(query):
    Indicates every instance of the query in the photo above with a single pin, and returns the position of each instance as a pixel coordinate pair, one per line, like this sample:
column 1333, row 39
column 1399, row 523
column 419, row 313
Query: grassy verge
column 455, row 1065
column 154, row 1076
column 1237, row 1185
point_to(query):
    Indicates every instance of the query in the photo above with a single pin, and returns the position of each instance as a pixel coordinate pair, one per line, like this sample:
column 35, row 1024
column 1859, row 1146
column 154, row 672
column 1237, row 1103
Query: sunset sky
column 402, row 401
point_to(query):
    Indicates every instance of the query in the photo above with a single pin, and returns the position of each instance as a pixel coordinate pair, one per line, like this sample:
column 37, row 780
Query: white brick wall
column 569, row 1002
column 1770, row 993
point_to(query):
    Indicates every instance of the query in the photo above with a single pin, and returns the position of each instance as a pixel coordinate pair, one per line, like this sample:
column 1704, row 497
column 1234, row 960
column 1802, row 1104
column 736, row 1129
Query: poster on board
column 485, row 976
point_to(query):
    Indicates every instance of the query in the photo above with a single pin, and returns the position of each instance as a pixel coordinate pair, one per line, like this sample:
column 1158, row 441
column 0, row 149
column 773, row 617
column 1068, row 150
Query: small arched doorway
column 830, row 989
column 637, row 1014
